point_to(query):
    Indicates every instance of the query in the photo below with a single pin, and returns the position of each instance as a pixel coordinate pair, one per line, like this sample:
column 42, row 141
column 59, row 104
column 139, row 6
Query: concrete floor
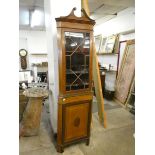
column 116, row 139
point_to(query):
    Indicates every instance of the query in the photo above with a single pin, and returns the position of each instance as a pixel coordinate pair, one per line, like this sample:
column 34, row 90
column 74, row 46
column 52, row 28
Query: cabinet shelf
column 108, row 70
column 76, row 86
column 68, row 85
column 107, row 53
column 85, row 71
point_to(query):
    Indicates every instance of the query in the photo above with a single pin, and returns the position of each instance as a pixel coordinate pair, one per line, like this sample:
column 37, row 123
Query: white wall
column 53, row 10
column 36, row 41
column 35, row 58
column 124, row 21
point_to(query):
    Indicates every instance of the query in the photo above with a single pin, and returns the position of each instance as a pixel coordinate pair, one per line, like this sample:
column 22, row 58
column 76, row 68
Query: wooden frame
column 116, row 45
column 126, row 73
column 108, row 43
column 130, row 91
column 64, row 68
column 119, row 51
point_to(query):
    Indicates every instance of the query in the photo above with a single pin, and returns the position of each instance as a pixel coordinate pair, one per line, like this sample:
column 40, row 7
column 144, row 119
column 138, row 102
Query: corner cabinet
column 75, row 36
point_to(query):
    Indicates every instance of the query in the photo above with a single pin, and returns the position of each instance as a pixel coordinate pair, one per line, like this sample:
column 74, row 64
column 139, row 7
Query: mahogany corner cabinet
column 75, row 43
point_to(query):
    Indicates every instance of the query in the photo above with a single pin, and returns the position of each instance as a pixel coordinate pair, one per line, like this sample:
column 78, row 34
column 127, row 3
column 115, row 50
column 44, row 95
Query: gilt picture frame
column 107, row 45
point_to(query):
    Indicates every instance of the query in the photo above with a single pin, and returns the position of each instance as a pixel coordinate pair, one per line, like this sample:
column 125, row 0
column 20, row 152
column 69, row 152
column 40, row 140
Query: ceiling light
column 37, row 18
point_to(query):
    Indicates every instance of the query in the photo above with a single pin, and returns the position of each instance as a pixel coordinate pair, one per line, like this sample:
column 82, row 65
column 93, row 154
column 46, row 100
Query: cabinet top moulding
column 87, row 22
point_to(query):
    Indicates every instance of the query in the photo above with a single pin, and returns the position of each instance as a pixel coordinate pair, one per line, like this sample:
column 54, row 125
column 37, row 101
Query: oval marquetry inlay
column 77, row 121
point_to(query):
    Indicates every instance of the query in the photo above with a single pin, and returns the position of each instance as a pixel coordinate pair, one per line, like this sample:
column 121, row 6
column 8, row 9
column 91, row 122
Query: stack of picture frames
column 126, row 69
column 108, row 44
column 126, row 73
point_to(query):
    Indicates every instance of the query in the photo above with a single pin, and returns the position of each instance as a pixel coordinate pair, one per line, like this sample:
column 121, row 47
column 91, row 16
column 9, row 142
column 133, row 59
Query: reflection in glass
column 77, row 47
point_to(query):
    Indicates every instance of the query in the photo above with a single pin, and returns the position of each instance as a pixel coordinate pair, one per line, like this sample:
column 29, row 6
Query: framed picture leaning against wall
column 98, row 40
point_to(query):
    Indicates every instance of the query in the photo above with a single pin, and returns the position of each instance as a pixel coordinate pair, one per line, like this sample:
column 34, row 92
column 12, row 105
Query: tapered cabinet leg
column 60, row 149
column 87, row 142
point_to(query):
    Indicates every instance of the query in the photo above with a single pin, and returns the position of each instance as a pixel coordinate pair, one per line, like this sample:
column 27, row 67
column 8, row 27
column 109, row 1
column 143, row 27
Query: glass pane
column 77, row 61
column 77, row 46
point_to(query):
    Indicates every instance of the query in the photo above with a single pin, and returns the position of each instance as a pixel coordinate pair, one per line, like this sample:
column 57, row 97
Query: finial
column 72, row 12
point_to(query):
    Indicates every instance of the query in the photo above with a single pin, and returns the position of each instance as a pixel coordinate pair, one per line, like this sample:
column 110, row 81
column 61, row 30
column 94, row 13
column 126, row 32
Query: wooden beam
column 98, row 89
column 96, row 76
column 85, row 5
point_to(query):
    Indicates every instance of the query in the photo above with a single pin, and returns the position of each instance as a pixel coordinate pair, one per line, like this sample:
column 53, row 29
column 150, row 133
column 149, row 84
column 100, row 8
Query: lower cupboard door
column 75, row 121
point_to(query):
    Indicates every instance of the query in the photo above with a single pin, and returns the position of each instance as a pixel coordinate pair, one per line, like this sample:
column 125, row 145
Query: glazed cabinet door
column 77, row 53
